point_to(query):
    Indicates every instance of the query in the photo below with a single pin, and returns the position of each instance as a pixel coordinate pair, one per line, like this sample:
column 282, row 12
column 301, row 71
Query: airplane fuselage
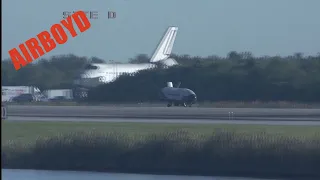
column 96, row 74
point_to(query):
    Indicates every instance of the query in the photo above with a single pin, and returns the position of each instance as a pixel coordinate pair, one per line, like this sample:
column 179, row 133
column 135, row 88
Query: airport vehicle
column 101, row 73
column 177, row 96
column 52, row 93
column 9, row 92
column 59, row 99
column 24, row 98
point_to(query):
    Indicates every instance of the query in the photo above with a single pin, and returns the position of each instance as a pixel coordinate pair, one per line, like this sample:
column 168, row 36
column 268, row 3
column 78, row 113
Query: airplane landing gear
column 179, row 104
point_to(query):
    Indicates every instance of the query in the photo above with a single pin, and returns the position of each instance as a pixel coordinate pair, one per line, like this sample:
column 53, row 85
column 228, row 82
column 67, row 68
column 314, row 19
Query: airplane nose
column 192, row 98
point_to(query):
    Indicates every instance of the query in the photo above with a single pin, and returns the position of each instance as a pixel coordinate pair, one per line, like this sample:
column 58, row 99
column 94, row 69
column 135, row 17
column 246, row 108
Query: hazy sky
column 206, row 27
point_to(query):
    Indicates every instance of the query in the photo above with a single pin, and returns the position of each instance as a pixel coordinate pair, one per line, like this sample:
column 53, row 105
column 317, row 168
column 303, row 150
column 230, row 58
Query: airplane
column 102, row 73
column 177, row 96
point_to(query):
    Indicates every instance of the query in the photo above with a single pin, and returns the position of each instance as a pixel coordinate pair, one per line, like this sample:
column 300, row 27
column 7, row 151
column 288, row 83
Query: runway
column 195, row 121
column 165, row 115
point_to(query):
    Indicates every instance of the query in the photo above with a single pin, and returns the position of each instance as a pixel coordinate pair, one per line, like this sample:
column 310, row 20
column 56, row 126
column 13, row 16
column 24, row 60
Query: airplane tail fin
column 178, row 85
column 165, row 46
column 169, row 84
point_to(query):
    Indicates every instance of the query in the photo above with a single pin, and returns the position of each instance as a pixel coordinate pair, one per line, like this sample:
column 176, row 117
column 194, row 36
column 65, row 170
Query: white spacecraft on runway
column 177, row 96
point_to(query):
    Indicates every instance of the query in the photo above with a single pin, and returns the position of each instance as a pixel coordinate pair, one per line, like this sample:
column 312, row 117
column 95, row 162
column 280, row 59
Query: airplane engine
column 169, row 62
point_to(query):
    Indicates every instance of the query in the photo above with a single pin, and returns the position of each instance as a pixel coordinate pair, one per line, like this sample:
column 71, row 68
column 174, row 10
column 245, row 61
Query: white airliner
column 98, row 73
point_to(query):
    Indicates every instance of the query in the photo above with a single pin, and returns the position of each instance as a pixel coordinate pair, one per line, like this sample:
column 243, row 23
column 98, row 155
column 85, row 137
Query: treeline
column 237, row 77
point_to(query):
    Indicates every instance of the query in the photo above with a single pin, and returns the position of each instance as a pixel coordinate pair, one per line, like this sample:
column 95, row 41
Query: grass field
column 219, row 150
column 30, row 131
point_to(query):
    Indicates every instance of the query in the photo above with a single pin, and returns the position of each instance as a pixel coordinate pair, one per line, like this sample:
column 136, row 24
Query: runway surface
column 194, row 121
column 165, row 114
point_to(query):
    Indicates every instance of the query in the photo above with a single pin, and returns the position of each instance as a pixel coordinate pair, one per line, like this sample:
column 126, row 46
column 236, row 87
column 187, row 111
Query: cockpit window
column 90, row 67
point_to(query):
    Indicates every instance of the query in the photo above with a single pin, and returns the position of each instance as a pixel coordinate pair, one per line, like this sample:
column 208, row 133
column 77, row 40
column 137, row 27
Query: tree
column 141, row 58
